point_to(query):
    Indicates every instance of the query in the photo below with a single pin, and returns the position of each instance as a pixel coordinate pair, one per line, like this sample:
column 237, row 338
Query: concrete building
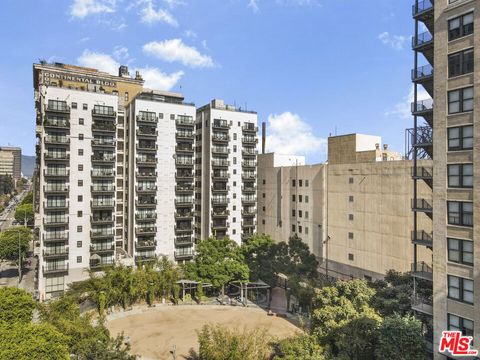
column 11, row 161
column 445, row 130
column 354, row 210
column 225, row 172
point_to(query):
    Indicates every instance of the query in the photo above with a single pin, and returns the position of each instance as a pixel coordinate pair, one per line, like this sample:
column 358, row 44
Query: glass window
column 460, row 289
column 460, row 26
column 460, row 63
column 460, row 100
column 460, row 138
column 460, row 175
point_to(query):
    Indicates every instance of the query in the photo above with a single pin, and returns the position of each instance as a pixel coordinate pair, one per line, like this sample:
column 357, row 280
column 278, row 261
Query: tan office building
column 11, row 161
column 354, row 210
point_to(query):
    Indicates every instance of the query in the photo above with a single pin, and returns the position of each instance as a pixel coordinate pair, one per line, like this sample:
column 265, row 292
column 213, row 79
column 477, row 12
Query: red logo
column 456, row 344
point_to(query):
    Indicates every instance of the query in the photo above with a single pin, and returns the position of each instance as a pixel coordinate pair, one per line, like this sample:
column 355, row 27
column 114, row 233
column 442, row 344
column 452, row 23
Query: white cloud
column 174, row 3
column 156, row 79
column 253, row 4
column 288, row 134
column 83, row 8
column 100, row 61
column 121, row 53
column 190, row 34
column 403, row 109
column 151, row 16
column 175, row 50
column 396, row 42
column 84, row 39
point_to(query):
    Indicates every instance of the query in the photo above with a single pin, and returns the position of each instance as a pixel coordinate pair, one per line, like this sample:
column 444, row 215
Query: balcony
column 220, row 138
column 56, row 157
column 249, row 199
column 422, row 238
column 422, row 304
column 184, row 201
column 146, row 230
column 249, row 140
column 56, row 123
column 148, row 132
column 146, row 203
column 101, row 233
column 55, row 189
column 252, row 211
column 220, row 163
column 50, row 253
column 220, row 175
column 423, row 75
column 146, row 244
column 183, row 240
column 101, row 173
column 249, row 224
column 249, row 176
column 145, row 216
column 55, row 236
column 422, row 270
column 183, row 228
column 182, row 162
column 220, row 124
column 183, row 215
column 249, row 164
column 423, row 10
column 147, row 117
column 103, row 142
column 142, row 146
column 60, row 220
column 58, row 107
column 220, row 200
column 219, row 226
column 422, row 205
column 216, row 188
column 184, row 253
column 102, row 204
column 96, row 264
column 185, row 135
column 220, row 150
column 143, row 258
column 103, row 111
column 422, row 139
column 102, row 188
column 220, row 214
column 57, row 205
column 184, row 149
column 57, row 140
column 184, row 175
column 101, row 220
column 249, row 151
column 51, row 268
column 250, row 128
column 146, row 188
column 423, row 107
column 424, row 43
column 104, row 127
column 105, row 158
column 186, row 188
column 184, row 121
column 146, row 174
column 56, row 172
column 100, row 248
column 425, row 174
column 147, row 161
column 250, row 188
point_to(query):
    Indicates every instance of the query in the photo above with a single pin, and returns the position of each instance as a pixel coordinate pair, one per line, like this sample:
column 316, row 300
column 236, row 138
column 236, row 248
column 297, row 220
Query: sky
column 310, row 68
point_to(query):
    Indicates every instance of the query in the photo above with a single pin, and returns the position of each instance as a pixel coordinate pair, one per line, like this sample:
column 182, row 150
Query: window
column 234, row 231
column 460, row 100
column 460, row 251
column 460, row 138
column 293, row 228
column 306, row 183
column 172, row 116
column 85, row 106
column 306, row 199
column 79, row 228
column 80, row 167
column 460, row 175
column 350, row 216
column 306, row 214
column 293, row 213
column 80, row 152
column 460, row 289
column 54, row 284
column 81, row 121
column 460, row 26
column 235, row 136
column 263, row 208
column 234, row 148
column 263, row 182
column 160, row 115
column 126, row 96
column 350, row 198
column 460, row 213
column 350, row 180
column 293, row 183
column 306, row 230
column 350, row 257
column 80, row 198
column 80, row 183
column 234, row 161
column 350, row 235
column 80, row 136
column 234, row 171
column 293, row 198
column 457, row 323
column 263, row 221
column 74, row 105
column 234, row 207
column 300, row 198
column 300, row 183
column 79, row 259
column 79, row 244
column 300, row 213
column 460, row 63
column 79, row 213
column 234, row 219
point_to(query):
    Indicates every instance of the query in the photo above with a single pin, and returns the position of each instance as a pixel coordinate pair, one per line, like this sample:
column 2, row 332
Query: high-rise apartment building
column 444, row 43
column 11, row 161
column 116, row 171
column 354, row 211
column 225, row 172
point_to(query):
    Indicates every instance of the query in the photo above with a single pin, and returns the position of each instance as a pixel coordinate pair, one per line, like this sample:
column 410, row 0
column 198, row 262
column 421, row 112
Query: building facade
column 445, row 130
column 11, row 162
column 225, row 172
column 354, row 211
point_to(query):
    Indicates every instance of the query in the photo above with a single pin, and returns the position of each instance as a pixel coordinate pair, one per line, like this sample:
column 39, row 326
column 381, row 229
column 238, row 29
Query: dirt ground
column 154, row 332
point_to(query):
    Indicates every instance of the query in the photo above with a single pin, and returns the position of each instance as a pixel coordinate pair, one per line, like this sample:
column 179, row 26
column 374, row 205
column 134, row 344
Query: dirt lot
column 153, row 332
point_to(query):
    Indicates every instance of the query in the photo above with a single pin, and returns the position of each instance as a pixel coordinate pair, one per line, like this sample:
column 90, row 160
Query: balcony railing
column 102, row 219
column 146, row 203
column 55, row 188
column 249, row 151
column 54, row 252
column 249, row 211
column 147, row 132
column 146, row 244
column 249, row 188
column 184, row 200
column 147, row 117
column 249, row 128
column 220, row 188
column 220, row 150
column 183, row 240
column 182, row 148
column 247, row 176
column 53, row 236
column 183, row 228
column 50, row 139
column 147, row 174
column 184, row 135
column 422, row 73
column 422, row 39
column 103, row 127
column 103, row 158
column 103, row 203
column 54, row 268
column 184, row 162
column 422, row 238
column 421, row 6
column 146, row 188
column 249, row 163
column 220, row 124
column 101, row 232
column 221, row 213
column 184, row 174
column 185, row 120
column 249, row 199
column 422, row 270
column 183, row 215
column 56, row 205
column 422, row 106
column 56, row 123
column 421, row 205
column 147, row 146
column 95, row 264
column 57, row 157
column 182, row 253
column 100, row 188
column 146, row 216
column 250, row 140
column 55, row 220
column 220, row 175
column 103, row 172
column 422, row 304
column 56, row 172
column 103, row 142
column 220, row 162
column 102, row 110
column 220, row 137
column 102, row 248
column 220, row 200
column 58, row 106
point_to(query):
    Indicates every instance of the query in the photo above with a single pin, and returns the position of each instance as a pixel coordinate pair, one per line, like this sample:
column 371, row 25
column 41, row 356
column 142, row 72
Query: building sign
column 46, row 77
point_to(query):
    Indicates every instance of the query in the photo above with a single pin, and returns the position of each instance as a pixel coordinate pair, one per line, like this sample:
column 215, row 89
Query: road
column 7, row 216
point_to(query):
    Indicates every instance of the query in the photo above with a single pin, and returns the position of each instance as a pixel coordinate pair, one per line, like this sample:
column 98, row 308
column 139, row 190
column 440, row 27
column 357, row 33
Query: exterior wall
column 11, row 162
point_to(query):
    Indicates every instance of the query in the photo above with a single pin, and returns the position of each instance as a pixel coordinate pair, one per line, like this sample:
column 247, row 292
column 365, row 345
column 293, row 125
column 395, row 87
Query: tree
column 400, row 338
column 357, row 339
column 32, row 342
column 9, row 240
column 28, row 199
column 16, row 305
column 218, row 261
column 24, row 212
column 259, row 251
column 303, row 347
column 6, row 184
column 219, row 343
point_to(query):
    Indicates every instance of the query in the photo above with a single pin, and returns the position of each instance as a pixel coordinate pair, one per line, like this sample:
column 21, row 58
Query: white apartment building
column 225, row 172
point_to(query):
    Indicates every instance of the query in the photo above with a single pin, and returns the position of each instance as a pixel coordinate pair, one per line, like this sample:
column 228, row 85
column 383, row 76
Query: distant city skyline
column 306, row 81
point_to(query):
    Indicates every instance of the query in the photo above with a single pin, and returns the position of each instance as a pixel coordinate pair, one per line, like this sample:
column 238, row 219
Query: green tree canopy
column 32, row 342
column 218, row 261
column 16, row 305
column 25, row 212
column 400, row 338
column 259, row 252
column 303, row 347
column 28, row 199
column 9, row 243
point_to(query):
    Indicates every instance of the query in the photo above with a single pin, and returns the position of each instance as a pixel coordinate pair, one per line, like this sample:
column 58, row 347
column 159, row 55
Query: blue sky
column 309, row 67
